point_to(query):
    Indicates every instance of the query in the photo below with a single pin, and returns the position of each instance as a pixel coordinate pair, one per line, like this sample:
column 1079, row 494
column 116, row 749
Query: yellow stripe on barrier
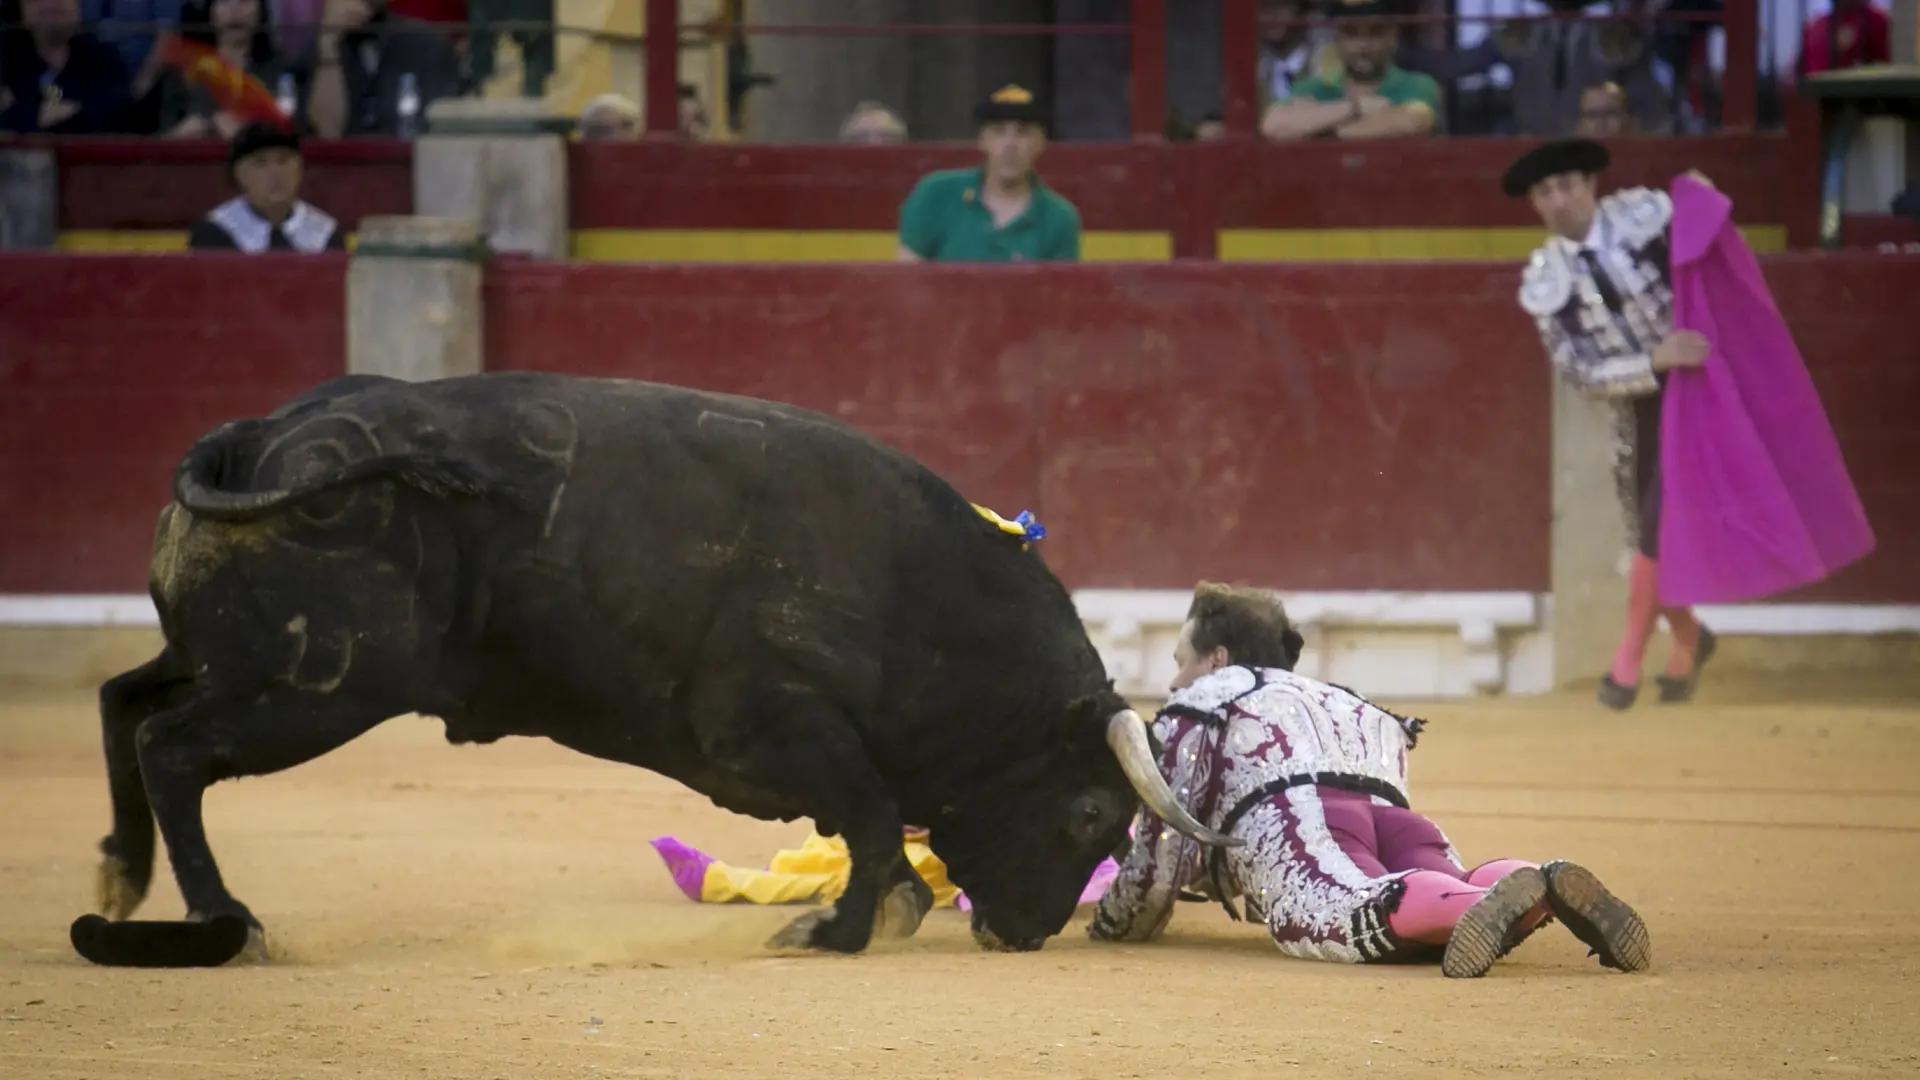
column 723, row 246
column 1357, row 245
column 813, row 246
column 134, row 241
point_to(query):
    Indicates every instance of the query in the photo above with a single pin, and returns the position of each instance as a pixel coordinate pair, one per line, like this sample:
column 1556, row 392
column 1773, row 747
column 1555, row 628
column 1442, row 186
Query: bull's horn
column 1127, row 735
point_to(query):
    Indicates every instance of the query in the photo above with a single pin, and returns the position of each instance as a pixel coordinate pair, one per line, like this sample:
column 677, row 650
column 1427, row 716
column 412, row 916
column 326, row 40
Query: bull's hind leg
column 126, row 868
column 185, row 750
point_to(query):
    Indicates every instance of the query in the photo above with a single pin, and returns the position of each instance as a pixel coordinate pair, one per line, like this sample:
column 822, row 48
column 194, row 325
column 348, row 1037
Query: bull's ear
column 1090, row 713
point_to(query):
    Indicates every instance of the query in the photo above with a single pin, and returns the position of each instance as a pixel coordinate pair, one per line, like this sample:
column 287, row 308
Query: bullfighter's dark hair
column 1251, row 624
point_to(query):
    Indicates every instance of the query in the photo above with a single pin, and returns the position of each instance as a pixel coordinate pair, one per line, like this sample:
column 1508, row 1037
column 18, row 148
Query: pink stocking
column 1431, row 905
column 1643, row 610
column 1487, row 873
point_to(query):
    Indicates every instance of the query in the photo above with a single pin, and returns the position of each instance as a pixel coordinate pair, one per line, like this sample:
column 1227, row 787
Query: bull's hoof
column 824, row 930
column 899, row 913
column 800, row 933
column 256, row 950
column 115, row 894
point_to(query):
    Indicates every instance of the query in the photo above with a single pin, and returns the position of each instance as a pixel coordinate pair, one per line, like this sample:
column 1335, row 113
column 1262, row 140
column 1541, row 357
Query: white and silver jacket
column 1601, row 352
column 1237, row 737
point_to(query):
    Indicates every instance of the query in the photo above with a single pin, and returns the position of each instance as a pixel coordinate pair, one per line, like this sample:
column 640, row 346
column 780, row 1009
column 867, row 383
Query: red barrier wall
column 1271, row 423
column 1191, row 190
column 111, row 366
column 163, row 184
column 1331, row 427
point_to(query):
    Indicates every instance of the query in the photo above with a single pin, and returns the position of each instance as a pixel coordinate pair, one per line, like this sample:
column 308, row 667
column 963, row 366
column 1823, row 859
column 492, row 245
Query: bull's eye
column 1088, row 818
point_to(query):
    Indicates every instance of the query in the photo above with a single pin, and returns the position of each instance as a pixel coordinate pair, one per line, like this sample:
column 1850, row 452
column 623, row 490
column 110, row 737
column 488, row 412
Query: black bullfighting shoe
column 1597, row 917
column 1614, row 696
column 1674, row 690
column 1483, row 932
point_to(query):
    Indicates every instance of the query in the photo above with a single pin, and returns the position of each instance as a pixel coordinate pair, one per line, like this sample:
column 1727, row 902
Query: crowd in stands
column 371, row 67
column 339, row 67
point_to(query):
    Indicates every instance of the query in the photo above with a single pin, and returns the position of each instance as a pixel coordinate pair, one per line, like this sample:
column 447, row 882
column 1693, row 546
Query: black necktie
column 1608, row 294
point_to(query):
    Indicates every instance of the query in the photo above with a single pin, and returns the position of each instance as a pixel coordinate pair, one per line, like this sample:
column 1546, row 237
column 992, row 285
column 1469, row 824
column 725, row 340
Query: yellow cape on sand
column 814, row 873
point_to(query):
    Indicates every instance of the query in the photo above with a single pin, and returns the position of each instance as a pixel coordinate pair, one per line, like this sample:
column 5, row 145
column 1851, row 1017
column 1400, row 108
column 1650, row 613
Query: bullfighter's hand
column 1681, row 349
column 1697, row 175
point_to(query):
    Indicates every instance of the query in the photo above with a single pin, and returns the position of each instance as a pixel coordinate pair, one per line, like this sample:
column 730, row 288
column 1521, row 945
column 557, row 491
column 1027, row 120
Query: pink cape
column 1755, row 495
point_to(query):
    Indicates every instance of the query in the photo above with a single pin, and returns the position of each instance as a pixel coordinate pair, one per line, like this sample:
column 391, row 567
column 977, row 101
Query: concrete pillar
column 500, row 164
column 29, row 201
column 1589, row 540
column 819, row 79
column 413, row 298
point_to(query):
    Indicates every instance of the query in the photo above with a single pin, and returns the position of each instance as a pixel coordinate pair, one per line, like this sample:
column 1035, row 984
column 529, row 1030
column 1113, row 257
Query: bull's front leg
column 818, row 760
column 880, row 897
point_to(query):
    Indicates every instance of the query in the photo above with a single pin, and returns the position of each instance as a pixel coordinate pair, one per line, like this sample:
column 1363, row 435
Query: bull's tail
column 201, row 483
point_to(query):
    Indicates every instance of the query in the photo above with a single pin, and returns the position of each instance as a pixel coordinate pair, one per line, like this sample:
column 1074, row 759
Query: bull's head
column 1026, row 854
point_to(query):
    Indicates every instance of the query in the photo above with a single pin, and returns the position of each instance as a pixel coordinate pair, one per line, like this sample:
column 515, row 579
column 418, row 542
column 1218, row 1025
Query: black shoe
column 1677, row 689
column 1616, row 697
column 1597, row 917
column 1487, row 930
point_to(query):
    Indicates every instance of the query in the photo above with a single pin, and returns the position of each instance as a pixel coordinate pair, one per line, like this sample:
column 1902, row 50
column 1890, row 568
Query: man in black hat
column 268, row 214
column 1370, row 97
column 1000, row 211
column 1600, row 292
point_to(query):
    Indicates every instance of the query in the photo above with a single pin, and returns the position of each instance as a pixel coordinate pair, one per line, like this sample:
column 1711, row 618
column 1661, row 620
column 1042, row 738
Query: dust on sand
column 476, row 912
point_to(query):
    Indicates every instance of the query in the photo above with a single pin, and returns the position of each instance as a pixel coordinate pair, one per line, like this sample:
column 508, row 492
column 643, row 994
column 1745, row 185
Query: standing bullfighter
column 1314, row 778
column 1600, row 291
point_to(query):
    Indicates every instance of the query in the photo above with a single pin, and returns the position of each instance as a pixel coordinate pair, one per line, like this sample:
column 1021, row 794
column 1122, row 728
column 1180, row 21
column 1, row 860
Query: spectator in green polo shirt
column 1370, row 97
column 1000, row 211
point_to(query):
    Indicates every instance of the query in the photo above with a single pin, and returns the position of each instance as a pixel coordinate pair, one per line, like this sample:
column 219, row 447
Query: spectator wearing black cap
column 999, row 212
column 268, row 214
column 1370, row 97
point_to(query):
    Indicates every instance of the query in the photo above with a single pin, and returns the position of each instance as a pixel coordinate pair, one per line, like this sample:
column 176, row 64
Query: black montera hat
column 1552, row 159
column 1015, row 103
column 261, row 136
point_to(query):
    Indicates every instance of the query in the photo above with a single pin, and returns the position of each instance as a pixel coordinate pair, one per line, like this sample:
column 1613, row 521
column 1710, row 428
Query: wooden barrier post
column 29, row 201
column 413, row 299
column 1589, row 539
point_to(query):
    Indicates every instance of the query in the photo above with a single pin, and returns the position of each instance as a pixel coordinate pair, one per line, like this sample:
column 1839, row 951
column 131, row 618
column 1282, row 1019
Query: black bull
column 753, row 599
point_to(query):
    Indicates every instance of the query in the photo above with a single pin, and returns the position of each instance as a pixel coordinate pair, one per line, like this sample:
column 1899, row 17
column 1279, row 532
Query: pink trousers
column 1383, row 840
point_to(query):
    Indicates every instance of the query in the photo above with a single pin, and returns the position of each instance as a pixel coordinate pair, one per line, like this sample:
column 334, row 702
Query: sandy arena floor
column 470, row 913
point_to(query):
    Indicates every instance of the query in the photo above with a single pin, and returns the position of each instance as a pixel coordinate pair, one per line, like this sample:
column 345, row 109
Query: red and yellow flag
column 233, row 90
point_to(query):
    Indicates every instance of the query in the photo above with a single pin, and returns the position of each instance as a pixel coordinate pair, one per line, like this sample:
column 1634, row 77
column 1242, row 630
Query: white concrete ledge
column 1395, row 645
column 82, row 611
